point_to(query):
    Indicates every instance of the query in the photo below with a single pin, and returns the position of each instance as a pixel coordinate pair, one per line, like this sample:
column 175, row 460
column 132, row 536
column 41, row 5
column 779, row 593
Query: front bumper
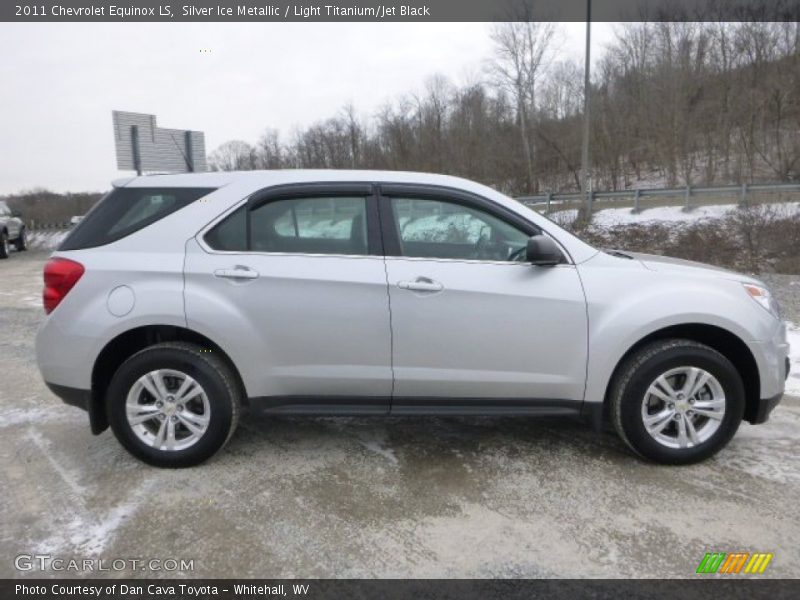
column 765, row 406
column 763, row 409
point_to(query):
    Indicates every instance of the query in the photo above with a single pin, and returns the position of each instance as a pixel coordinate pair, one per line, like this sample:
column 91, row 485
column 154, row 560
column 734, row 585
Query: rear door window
column 304, row 225
column 335, row 225
column 124, row 211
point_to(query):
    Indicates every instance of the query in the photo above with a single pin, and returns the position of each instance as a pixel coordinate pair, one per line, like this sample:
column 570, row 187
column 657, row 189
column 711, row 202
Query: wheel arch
column 720, row 339
column 128, row 343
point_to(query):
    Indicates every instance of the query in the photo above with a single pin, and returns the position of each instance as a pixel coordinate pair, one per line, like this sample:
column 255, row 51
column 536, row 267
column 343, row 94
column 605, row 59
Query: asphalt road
column 348, row 497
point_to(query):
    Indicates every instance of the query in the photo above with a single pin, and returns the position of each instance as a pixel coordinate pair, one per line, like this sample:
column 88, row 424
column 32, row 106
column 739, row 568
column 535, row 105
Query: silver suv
column 180, row 298
column 12, row 231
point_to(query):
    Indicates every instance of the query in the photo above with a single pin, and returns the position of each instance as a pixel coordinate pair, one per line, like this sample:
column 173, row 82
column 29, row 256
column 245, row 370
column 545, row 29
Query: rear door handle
column 421, row 284
column 238, row 272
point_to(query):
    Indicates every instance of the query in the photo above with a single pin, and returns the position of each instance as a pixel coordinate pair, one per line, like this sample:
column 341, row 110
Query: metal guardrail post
column 743, row 199
column 636, row 201
column 549, row 201
column 687, row 206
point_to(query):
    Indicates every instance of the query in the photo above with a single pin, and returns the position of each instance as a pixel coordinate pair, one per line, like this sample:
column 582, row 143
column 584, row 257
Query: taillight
column 60, row 276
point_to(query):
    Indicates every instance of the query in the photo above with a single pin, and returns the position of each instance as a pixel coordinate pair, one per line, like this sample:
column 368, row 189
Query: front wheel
column 677, row 401
column 173, row 404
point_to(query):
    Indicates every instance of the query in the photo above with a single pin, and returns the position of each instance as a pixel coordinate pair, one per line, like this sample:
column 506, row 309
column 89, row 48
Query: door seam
column 377, row 195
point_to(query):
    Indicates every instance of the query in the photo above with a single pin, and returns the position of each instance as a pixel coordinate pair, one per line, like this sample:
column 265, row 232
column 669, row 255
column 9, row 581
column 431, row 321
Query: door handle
column 422, row 284
column 238, row 272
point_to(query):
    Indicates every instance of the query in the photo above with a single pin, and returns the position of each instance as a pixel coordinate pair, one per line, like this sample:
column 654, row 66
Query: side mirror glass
column 543, row 251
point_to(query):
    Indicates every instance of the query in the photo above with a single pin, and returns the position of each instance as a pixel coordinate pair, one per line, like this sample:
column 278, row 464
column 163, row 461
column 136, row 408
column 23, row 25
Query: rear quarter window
column 124, row 211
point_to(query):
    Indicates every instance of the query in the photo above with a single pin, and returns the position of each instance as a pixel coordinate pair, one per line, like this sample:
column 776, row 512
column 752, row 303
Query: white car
column 180, row 298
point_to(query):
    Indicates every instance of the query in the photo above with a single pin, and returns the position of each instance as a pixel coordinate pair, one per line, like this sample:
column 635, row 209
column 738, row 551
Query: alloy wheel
column 683, row 407
column 168, row 410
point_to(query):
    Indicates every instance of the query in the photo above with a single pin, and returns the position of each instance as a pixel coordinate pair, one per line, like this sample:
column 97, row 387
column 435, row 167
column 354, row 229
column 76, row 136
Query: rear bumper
column 82, row 399
column 72, row 396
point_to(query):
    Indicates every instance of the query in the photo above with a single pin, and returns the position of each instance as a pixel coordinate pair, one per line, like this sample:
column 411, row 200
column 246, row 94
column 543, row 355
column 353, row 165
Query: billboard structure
column 145, row 148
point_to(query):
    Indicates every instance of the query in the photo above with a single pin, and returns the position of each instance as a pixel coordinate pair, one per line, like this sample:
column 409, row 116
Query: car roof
column 259, row 179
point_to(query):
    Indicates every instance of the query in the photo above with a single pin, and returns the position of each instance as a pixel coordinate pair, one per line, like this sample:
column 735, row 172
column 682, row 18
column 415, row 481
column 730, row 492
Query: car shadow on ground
column 408, row 439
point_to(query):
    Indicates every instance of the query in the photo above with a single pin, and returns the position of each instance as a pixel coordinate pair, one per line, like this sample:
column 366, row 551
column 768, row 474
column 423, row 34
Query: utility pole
column 586, row 182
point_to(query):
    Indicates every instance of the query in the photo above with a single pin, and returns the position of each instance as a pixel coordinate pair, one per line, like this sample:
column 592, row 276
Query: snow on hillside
column 45, row 240
column 610, row 217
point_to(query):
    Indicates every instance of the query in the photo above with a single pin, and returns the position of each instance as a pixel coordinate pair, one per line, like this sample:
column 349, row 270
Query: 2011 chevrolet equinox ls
column 180, row 298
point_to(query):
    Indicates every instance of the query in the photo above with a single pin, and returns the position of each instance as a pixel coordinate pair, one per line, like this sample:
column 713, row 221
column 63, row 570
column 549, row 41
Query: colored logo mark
column 734, row 563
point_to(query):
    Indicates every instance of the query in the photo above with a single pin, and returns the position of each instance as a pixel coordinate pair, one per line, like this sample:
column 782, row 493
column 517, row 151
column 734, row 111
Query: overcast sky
column 60, row 82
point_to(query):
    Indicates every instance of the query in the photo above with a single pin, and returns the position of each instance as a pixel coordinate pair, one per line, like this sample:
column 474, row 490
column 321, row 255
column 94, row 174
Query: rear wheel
column 3, row 244
column 677, row 401
column 21, row 243
column 173, row 404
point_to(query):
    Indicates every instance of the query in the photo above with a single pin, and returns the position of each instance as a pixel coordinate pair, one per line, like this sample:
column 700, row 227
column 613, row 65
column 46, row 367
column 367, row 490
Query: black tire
column 3, row 245
column 21, row 243
column 210, row 371
column 641, row 369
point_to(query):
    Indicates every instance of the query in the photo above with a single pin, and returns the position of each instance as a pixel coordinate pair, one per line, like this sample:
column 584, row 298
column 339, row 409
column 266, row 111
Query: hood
column 655, row 262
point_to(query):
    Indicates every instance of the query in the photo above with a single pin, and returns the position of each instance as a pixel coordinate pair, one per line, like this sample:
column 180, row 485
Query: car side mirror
column 543, row 251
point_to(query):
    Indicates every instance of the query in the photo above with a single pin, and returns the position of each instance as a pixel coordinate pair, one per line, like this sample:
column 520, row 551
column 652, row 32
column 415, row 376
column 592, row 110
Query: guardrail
column 33, row 225
column 689, row 193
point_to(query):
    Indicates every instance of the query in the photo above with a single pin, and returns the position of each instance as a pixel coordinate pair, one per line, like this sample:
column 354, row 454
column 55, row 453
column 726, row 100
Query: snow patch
column 793, row 382
column 66, row 476
column 378, row 447
column 30, row 416
column 86, row 531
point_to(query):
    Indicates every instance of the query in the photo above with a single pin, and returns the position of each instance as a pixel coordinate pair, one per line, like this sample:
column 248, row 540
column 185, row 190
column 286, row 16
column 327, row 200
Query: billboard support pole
column 187, row 137
column 137, row 158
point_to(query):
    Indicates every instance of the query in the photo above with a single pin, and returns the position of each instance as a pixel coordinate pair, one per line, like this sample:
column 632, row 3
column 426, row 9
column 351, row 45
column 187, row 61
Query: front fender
column 620, row 316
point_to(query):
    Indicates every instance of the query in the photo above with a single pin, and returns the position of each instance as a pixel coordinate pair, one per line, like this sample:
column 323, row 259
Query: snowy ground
column 793, row 383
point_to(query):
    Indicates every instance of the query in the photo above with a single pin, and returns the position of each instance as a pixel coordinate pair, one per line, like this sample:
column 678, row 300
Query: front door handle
column 421, row 284
column 238, row 272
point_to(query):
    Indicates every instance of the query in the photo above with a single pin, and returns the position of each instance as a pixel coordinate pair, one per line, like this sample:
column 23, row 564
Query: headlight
column 763, row 296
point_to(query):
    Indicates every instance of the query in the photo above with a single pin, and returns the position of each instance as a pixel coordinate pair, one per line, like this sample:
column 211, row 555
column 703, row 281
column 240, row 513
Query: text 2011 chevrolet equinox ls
column 180, row 298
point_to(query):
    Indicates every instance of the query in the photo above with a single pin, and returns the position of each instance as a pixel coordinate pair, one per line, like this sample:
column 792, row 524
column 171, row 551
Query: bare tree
column 522, row 53
column 269, row 152
column 235, row 155
column 700, row 102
